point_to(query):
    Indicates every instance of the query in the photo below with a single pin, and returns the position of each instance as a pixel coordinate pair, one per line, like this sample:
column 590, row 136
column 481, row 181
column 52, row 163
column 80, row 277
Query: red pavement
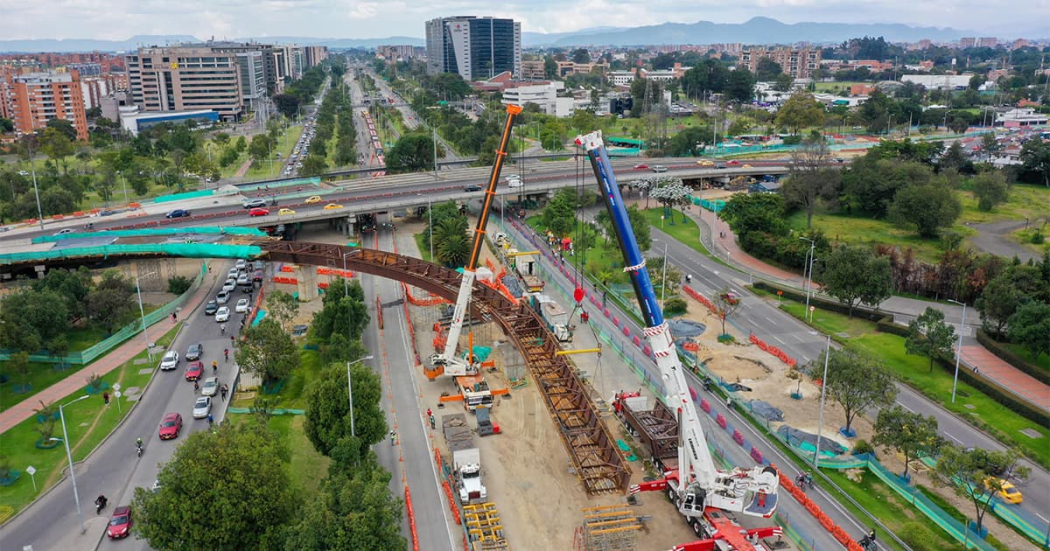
column 989, row 365
column 117, row 357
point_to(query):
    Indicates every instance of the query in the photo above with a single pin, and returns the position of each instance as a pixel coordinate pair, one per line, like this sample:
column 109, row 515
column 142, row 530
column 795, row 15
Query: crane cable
column 579, row 258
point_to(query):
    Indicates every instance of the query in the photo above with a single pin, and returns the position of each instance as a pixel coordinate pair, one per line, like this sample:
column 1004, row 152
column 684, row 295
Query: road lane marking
column 949, row 435
column 770, row 320
column 778, row 339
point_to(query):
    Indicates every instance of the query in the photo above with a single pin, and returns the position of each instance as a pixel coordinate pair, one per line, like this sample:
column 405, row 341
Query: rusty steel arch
column 597, row 460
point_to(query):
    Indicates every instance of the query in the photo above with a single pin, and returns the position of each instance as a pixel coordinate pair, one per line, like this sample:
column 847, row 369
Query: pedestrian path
column 74, row 382
column 974, row 355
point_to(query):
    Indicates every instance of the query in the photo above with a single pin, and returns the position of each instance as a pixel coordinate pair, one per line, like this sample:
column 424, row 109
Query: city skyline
column 119, row 19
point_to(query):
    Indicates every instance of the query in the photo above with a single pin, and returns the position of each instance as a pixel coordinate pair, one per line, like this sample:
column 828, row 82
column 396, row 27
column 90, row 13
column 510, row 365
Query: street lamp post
column 958, row 352
column 823, row 388
column 32, row 170
column 142, row 314
column 69, row 456
column 124, row 181
column 350, row 389
column 808, row 284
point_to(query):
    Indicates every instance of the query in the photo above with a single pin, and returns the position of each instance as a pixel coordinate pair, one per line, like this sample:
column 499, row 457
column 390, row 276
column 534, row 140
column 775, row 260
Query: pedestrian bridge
column 599, row 465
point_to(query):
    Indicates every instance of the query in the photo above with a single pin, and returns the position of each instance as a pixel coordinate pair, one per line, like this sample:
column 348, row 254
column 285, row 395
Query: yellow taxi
column 705, row 162
column 284, row 212
column 314, row 199
column 333, row 206
column 746, row 166
column 1009, row 493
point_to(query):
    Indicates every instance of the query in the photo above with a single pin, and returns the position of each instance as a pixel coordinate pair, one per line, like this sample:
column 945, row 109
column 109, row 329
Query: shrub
column 792, row 140
column 179, row 284
column 862, row 447
column 1037, row 238
column 675, row 306
column 918, row 537
column 726, row 338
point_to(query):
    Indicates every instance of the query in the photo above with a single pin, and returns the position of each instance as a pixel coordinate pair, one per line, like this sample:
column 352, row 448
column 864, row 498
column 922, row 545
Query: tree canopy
column 857, row 381
column 853, row 275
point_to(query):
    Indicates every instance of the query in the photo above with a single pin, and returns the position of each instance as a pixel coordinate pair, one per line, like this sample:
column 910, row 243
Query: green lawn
column 970, row 404
column 285, row 145
column 1042, row 361
column 88, row 422
column 1026, row 201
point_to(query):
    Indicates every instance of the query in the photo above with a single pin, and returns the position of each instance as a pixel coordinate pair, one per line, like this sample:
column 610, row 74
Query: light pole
column 69, row 456
column 958, row 352
column 142, row 313
column 350, row 389
column 808, row 284
column 32, row 170
column 125, row 182
column 823, row 388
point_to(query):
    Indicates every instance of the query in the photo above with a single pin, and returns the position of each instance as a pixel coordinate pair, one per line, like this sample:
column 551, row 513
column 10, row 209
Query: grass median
column 89, row 422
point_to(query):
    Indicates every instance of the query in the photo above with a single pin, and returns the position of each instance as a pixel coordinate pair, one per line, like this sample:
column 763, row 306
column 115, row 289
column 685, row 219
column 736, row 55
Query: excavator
column 703, row 494
column 473, row 389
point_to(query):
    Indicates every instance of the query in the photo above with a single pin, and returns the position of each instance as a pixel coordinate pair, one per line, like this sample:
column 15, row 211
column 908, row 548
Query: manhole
column 140, row 361
column 1031, row 433
column 969, row 406
column 146, row 371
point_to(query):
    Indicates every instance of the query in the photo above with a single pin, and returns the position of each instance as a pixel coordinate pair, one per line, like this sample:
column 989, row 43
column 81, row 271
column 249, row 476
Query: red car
column 641, row 167
column 734, row 162
column 120, row 524
column 170, row 426
column 258, row 212
column 194, row 371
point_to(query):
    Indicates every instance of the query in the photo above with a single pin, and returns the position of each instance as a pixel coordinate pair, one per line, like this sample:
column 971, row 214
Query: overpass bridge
column 599, row 465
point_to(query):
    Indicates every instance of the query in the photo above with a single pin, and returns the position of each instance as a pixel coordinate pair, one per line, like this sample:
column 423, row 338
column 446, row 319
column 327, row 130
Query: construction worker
column 393, row 437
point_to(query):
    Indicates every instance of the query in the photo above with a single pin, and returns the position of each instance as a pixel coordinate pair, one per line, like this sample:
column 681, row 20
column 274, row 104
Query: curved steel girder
column 599, row 464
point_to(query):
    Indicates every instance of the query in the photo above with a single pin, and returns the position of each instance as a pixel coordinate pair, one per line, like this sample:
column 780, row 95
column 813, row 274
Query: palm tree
column 453, row 246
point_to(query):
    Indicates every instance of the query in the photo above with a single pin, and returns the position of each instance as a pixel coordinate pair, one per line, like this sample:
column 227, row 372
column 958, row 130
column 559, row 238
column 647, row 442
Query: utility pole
column 434, row 138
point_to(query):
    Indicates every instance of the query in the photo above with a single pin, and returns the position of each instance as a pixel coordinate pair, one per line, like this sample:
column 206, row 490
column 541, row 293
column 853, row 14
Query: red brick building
column 30, row 100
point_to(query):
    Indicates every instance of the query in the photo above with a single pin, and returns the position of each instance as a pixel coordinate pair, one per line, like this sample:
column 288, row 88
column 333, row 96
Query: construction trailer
column 655, row 427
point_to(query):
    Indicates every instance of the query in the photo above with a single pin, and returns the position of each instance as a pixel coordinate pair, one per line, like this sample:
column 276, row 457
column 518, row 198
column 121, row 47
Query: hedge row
column 1010, row 357
column 884, row 323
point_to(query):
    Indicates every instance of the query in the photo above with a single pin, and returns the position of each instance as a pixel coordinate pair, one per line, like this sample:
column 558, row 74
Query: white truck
column 555, row 316
column 466, row 458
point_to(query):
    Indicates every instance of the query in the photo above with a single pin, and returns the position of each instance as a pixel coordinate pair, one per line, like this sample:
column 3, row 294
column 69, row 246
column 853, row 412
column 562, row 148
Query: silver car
column 202, row 407
column 210, row 387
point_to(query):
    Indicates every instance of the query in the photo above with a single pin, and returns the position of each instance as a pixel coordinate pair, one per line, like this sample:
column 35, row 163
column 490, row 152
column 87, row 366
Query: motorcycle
column 868, row 542
column 139, row 451
column 100, row 504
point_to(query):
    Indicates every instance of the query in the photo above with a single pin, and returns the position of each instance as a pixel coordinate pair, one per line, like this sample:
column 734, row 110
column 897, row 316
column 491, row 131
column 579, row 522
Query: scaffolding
column 484, row 527
column 610, row 528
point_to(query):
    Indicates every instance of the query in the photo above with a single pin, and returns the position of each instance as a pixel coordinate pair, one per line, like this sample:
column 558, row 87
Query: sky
column 121, row 19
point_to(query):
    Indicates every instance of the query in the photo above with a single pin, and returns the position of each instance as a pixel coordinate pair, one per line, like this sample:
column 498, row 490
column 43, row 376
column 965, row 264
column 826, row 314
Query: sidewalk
column 76, row 381
column 973, row 354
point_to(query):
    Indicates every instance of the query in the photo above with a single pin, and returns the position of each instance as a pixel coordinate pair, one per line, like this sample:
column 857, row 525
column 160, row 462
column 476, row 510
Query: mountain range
column 758, row 30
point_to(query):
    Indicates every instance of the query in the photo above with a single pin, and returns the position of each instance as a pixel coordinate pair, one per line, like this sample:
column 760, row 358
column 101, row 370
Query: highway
column 114, row 469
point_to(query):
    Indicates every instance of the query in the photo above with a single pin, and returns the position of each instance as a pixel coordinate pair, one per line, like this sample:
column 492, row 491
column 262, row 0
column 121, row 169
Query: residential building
column 401, row 52
column 798, row 63
column 33, row 99
column 940, row 82
column 987, row 42
column 533, row 70
column 1019, row 43
column 967, row 42
column 315, row 55
column 187, row 78
column 568, row 68
column 476, row 48
column 622, row 78
column 1019, row 118
column 544, row 95
column 92, row 90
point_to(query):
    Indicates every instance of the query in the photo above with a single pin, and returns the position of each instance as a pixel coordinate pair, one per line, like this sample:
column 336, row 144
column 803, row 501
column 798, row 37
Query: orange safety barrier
column 432, row 301
column 691, row 346
column 411, row 519
column 451, row 501
column 791, row 362
column 323, row 270
column 379, row 311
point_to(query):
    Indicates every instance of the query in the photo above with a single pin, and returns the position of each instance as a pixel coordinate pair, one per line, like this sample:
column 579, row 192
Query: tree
column 63, row 126
column 260, row 147
column 877, row 112
column 412, row 153
column 760, row 212
column 799, row 111
column 1029, row 326
column 783, row 82
column 928, row 207
column 242, row 145
column 811, row 181
column 580, row 55
column 999, row 300
column 1035, row 158
column 726, row 304
column 328, row 407
column 6, row 125
column 767, row 70
column 342, row 314
column 857, row 382
column 268, row 351
column 55, row 144
column 991, row 189
column 954, row 158
column 689, row 142
column 928, row 335
column 854, row 275
column 314, row 165
column 910, row 434
column 559, row 215
column 978, row 474
column 227, row 489
column 287, row 104
column 741, row 85
column 670, row 192
column 109, row 306
column 550, row 67
column 283, row 307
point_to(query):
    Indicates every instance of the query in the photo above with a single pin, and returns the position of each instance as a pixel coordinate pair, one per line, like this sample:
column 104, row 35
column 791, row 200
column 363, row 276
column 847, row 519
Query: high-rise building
column 186, row 78
column 799, row 63
column 35, row 98
column 474, row 47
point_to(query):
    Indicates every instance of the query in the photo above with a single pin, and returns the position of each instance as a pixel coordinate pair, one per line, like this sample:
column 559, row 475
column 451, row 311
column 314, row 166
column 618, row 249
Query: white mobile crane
column 697, row 488
column 472, row 386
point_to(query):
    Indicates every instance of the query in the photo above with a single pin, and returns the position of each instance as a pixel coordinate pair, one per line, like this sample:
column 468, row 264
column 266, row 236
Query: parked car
column 223, row 297
column 170, row 426
column 177, row 213
column 242, row 306
column 195, row 351
column 169, row 361
column 120, row 523
column 258, row 212
column 202, row 407
column 255, row 203
column 210, row 386
column 194, row 371
column 223, row 315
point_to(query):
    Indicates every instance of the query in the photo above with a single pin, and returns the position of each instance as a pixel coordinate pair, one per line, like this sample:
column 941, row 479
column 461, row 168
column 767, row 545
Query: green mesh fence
column 211, row 230
column 181, row 196
column 186, row 250
column 90, row 354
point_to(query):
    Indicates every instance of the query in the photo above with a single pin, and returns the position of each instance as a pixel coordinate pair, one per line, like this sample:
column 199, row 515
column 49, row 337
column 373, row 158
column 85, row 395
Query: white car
column 202, row 407
column 232, row 274
column 242, row 306
column 210, row 386
column 223, row 314
column 514, row 182
column 241, row 263
column 170, row 361
column 230, row 285
column 243, row 280
column 223, row 297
